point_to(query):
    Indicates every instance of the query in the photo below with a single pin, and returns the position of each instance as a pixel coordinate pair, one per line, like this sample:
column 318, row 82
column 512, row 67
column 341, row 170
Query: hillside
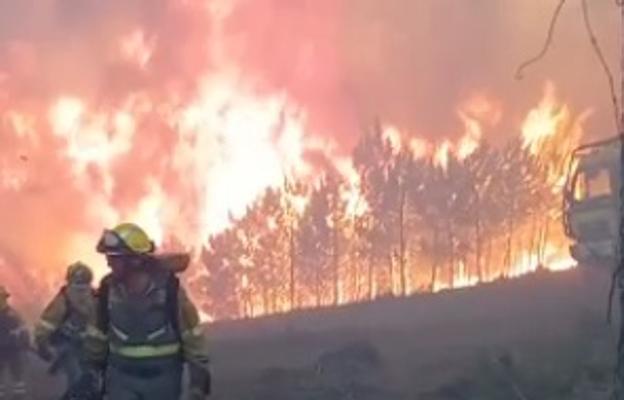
column 542, row 336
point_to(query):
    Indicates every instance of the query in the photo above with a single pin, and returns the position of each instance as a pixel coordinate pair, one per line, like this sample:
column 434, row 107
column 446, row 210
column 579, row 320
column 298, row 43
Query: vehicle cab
column 590, row 210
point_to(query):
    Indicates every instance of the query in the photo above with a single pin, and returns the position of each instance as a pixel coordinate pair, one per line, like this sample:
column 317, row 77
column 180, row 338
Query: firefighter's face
column 137, row 281
column 121, row 263
column 131, row 271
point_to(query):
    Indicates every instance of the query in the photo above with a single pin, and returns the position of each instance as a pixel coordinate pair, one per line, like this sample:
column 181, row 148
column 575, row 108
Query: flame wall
column 177, row 113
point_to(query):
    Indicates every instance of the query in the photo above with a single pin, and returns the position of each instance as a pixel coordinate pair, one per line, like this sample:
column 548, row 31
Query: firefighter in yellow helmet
column 59, row 333
column 146, row 327
column 14, row 342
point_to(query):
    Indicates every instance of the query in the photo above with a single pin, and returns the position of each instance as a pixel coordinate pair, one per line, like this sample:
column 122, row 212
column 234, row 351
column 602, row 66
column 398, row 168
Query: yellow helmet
column 125, row 239
column 79, row 273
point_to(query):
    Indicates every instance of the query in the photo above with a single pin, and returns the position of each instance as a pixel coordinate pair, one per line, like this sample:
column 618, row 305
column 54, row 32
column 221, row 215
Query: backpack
column 172, row 289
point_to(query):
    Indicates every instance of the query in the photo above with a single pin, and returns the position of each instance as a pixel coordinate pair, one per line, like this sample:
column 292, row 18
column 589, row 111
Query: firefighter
column 146, row 328
column 59, row 334
column 14, row 342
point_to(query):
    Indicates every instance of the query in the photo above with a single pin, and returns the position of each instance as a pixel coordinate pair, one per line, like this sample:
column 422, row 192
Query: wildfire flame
column 544, row 121
column 188, row 161
column 543, row 246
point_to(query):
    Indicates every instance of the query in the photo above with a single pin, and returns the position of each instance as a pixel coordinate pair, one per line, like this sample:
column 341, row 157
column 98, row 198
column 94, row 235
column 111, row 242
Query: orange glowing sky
column 177, row 113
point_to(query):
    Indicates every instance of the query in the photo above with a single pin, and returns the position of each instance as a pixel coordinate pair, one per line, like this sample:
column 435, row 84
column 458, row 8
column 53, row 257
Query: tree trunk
column 292, row 255
column 391, row 273
column 434, row 264
column 544, row 239
column 509, row 251
column 451, row 242
column 336, row 287
column 248, row 306
column 370, row 273
column 336, row 265
column 355, row 268
column 534, row 240
column 317, row 279
column 478, row 247
column 488, row 257
column 266, row 302
column 402, row 242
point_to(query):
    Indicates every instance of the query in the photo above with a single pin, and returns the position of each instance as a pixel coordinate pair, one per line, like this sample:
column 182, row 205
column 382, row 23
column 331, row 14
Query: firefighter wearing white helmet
column 146, row 328
column 14, row 342
column 59, row 333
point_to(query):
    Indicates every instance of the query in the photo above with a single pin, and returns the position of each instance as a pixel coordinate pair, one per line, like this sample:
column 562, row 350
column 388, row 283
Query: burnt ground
column 542, row 337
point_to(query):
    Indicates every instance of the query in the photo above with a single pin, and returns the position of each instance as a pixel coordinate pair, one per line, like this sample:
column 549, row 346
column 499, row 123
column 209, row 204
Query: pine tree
column 222, row 282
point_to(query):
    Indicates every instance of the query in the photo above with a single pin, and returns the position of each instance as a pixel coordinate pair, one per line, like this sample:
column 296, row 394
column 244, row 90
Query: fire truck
column 590, row 203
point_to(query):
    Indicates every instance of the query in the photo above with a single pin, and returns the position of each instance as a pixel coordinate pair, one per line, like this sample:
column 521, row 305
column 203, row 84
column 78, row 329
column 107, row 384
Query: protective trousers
column 618, row 390
column 71, row 363
column 12, row 385
column 165, row 385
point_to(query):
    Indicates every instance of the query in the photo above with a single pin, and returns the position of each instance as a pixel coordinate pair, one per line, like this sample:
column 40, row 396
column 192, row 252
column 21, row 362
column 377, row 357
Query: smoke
column 177, row 113
column 413, row 62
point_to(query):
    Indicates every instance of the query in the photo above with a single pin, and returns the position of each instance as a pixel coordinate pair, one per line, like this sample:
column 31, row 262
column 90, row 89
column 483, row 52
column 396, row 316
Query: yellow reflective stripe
column 122, row 335
column 157, row 333
column 146, row 351
column 19, row 330
column 95, row 333
column 197, row 331
column 46, row 325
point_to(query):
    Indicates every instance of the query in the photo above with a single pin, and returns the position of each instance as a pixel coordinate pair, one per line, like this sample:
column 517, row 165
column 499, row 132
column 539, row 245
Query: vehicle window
column 592, row 184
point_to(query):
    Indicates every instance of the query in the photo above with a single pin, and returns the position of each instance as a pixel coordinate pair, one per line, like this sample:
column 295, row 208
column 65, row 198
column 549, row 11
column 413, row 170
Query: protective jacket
column 144, row 339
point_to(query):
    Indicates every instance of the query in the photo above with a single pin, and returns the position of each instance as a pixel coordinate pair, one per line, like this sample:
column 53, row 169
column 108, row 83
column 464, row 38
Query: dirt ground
column 540, row 337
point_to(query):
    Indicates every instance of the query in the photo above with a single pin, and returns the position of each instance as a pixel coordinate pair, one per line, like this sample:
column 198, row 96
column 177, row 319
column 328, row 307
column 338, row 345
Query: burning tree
column 445, row 218
column 222, row 287
column 373, row 158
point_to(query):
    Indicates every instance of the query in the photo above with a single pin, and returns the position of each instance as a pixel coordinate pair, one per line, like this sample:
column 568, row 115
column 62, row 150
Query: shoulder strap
column 68, row 304
column 173, row 287
column 102, row 304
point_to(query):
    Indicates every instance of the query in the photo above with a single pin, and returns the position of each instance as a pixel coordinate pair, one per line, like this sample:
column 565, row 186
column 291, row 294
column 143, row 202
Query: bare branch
column 547, row 43
column 603, row 61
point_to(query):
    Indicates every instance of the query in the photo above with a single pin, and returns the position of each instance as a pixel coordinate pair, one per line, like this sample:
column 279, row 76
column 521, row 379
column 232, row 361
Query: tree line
column 413, row 225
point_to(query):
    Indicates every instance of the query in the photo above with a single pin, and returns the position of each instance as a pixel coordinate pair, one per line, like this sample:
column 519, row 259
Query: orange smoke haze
column 178, row 113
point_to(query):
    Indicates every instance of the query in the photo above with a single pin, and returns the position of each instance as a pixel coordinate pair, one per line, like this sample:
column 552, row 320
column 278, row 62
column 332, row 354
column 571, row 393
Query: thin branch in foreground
column 547, row 42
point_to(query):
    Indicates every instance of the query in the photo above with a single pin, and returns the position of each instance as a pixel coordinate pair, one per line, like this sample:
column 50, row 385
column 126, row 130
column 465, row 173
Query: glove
column 89, row 387
column 201, row 382
column 196, row 394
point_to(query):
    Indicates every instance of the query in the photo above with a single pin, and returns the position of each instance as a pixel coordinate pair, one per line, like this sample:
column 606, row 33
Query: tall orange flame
column 175, row 133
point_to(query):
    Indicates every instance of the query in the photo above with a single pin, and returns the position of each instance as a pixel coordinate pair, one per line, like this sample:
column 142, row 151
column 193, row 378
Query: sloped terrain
column 542, row 337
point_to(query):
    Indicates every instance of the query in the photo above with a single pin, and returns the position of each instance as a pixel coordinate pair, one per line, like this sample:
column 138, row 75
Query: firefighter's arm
column 95, row 352
column 95, row 340
column 95, row 346
column 20, row 330
column 194, row 346
column 50, row 320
